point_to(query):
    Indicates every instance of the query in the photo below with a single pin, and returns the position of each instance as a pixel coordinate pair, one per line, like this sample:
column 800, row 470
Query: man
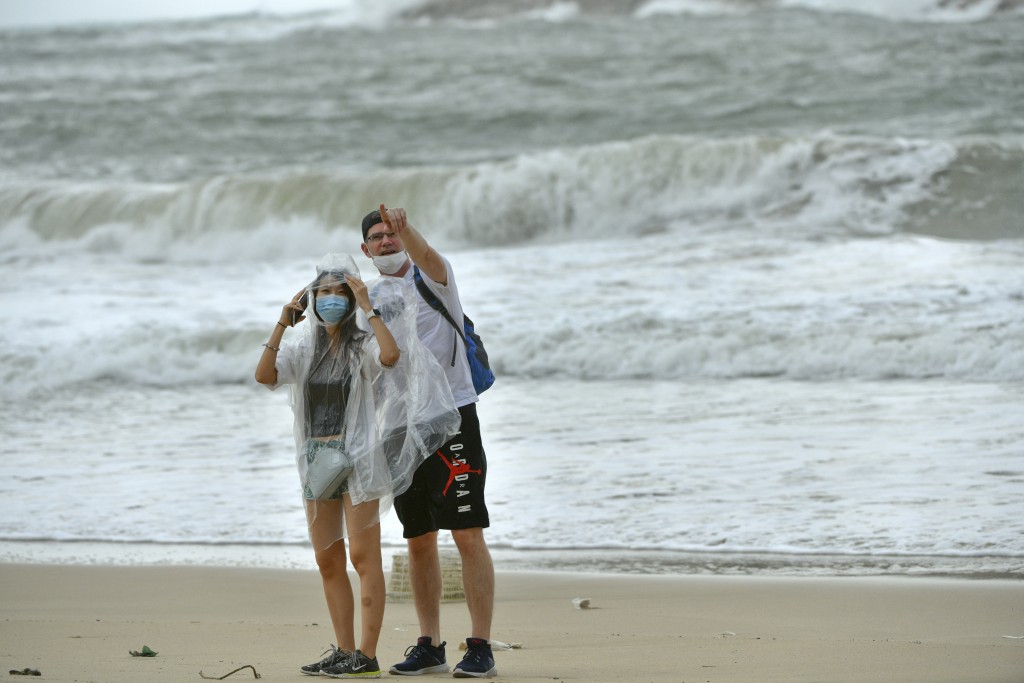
column 448, row 489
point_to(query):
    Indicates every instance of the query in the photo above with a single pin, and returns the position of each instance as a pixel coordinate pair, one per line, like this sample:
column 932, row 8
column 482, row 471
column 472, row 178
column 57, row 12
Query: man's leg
column 477, row 579
column 425, row 580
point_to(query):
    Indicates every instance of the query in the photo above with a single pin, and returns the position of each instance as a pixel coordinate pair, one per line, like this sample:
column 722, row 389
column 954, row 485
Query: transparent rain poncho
column 349, row 409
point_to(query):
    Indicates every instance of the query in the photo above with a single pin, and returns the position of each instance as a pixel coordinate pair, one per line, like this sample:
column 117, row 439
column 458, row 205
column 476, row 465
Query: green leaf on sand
column 146, row 652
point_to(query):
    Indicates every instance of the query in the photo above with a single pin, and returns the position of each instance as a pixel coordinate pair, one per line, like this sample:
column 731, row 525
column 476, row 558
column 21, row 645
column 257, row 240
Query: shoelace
column 417, row 650
column 476, row 655
column 336, row 656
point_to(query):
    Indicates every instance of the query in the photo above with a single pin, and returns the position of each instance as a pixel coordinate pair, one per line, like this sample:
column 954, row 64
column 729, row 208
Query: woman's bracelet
column 272, row 348
column 282, row 324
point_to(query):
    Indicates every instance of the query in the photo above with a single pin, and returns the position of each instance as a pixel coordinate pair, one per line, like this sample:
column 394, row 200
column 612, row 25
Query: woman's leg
column 364, row 549
column 325, row 520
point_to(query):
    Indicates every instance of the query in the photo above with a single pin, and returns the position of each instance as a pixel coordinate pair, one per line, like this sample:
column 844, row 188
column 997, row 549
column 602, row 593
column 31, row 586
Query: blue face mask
column 331, row 308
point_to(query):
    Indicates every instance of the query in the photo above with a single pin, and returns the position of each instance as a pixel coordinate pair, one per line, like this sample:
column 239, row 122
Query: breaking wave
column 810, row 187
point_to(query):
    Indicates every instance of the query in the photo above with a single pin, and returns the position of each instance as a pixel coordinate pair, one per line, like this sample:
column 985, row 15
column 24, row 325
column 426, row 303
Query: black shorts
column 447, row 491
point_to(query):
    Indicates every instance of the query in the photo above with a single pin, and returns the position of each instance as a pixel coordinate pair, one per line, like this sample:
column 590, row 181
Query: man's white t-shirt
column 440, row 337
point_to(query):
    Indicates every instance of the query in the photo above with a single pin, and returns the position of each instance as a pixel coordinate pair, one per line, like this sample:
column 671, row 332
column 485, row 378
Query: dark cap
column 369, row 220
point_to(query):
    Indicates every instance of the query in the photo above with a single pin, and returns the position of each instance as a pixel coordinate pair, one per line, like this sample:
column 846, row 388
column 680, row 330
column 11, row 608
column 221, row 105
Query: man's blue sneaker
column 422, row 658
column 478, row 662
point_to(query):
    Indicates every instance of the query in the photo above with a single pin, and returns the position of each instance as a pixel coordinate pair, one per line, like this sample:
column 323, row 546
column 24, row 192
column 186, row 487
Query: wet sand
column 77, row 623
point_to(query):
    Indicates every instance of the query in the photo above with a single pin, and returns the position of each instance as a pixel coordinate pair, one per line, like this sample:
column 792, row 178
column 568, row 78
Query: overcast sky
column 53, row 12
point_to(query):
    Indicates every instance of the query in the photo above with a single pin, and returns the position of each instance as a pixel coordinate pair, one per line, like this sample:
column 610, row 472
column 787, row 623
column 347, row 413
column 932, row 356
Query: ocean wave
column 802, row 345
column 913, row 10
column 559, row 10
column 806, row 187
column 276, row 19
column 716, row 350
column 622, row 559
column 272, row 20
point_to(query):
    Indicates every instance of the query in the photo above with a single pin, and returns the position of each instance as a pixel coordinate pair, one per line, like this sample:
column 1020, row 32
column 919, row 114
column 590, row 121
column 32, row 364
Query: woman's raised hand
column 292, row 313
column 359, row 292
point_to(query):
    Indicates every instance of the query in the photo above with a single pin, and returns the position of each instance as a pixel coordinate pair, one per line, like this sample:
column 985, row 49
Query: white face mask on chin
column 389, row 264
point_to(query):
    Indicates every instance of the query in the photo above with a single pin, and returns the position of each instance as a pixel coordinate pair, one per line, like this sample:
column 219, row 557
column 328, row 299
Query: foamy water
column 670, row 408
column 747, row 475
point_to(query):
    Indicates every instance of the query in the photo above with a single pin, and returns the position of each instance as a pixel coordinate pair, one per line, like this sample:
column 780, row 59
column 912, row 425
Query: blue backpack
column 483, row 378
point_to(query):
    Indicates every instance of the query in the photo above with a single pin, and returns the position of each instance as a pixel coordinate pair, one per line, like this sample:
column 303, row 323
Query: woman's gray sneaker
column 357, row 665
column 333, row 658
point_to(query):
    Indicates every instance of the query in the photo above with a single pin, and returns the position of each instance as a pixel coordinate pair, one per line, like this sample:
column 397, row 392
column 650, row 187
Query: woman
column 358, row 400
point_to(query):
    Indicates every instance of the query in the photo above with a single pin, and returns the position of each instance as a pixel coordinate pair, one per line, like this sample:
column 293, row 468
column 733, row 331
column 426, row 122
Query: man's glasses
column 377, row 237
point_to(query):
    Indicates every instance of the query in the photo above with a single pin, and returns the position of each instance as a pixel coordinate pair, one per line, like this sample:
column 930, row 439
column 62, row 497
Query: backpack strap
column 438, row 305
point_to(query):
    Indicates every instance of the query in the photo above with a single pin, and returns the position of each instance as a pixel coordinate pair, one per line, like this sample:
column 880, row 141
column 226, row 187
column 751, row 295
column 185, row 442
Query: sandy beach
column 78, row 623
